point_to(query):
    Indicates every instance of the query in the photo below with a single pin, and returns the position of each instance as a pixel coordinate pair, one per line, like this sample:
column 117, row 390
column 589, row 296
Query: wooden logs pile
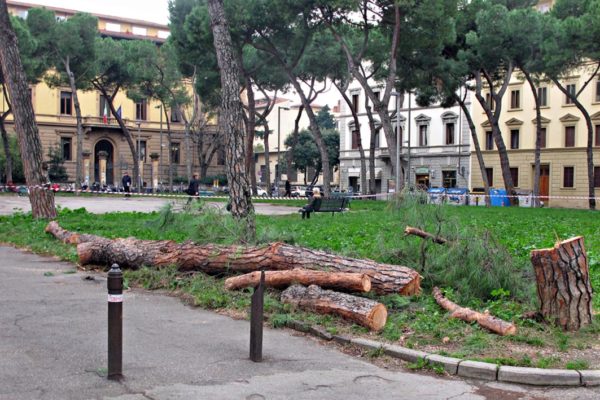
column 563, row 284
column 214, row 259
column 485, row 320
column 285, row 266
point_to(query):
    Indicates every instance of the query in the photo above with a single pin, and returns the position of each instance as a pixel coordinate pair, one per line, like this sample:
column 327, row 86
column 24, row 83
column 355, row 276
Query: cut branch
column 365, row 312
column 213, row 259
column 485, row 320
column 348, row 282
column 409, row 230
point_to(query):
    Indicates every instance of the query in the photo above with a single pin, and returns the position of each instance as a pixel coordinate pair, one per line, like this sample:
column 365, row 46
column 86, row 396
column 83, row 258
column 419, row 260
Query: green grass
column 370, row 230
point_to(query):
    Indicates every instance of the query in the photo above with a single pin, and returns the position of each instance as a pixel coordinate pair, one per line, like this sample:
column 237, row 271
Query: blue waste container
column 436, row 195
column 457, row 196
column 499, row 198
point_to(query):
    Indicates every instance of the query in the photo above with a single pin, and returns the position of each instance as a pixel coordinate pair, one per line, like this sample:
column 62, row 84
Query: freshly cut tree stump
column 563, row 283
column 213, row 259
column 485, row 320
column 344, row 281
column 365, row 312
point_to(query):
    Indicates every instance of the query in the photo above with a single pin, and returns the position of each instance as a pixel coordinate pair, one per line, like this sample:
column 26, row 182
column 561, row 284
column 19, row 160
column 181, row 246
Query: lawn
column 374, row 230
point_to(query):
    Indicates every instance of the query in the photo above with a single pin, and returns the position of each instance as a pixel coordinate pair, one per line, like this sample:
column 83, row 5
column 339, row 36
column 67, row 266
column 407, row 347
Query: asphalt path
column 106, row 203
column 53, row 345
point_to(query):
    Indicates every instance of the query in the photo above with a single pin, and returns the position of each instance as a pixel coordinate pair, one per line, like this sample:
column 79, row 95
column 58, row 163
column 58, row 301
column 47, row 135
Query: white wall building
column 435, row 154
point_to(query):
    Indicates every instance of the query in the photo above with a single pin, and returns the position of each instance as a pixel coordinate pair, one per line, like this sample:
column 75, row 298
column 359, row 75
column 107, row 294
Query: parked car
column 298, row 191
column 261, row 192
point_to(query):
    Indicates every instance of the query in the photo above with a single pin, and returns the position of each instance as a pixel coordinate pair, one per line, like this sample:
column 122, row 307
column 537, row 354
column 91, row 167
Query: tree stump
column 563, row 284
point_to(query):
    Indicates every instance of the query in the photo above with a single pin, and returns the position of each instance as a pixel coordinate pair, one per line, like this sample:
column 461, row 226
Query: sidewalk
column 53, row 346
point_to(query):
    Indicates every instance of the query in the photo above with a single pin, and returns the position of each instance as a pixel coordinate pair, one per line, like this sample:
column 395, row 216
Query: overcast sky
column 146, row 10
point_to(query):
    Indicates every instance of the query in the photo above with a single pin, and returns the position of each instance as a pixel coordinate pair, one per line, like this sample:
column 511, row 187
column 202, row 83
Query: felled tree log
column 68, row 237
column 485, row 320
column 563, row 283
column 213, row 259
column 365, row 312
column 409, row 230
column 344, row 281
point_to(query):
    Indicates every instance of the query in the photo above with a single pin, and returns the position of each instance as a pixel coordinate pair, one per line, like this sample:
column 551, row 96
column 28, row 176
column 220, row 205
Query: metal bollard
column 115, row 323
column 256, row 320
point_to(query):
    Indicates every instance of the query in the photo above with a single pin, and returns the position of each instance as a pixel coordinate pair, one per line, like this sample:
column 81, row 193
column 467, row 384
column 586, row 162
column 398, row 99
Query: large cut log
column 365, row 312
column 484, row 319
column 213, row 259
column 344, row 281
column 563, row 283
column 409, row 230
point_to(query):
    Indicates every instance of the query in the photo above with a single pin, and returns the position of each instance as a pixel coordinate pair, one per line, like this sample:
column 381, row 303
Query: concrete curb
column 482, row 370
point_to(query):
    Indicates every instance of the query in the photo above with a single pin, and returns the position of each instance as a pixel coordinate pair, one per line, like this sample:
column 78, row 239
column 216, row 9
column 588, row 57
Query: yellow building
column 564, row 139
column 55, row 116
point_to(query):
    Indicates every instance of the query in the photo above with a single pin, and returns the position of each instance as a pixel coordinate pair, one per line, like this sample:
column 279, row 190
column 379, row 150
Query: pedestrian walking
column 126, row 181
column 288, row 189
column 193, row 188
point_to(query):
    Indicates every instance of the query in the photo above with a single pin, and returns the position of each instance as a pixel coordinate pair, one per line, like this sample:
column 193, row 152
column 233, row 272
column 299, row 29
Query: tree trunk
column 170, row 151
column 316, row 131
column 231, row 120
column 563, row 284
column 485, row 320
column 212, row 259
column 365, row 312
column 42, row 201
column 267, row 176
column 124, row 130
column 374, row 131
column 344, row 281
column 538, row 139
column 480, row 161
column 294, row 142
column 493, row 117
column 79, row 156
column 8, row 160
column 250, row 131
column 590, row 140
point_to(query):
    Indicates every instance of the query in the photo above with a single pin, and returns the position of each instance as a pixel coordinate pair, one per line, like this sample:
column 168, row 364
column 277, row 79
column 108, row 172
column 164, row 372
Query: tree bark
column 250, row 131
column 480, row 161
column 343, row 281
column 79, row 156
column 485, row 320
column 563, row 283
column 42, row 201
column 373, row 136
column 365, row 312
column 267, row 176
column 538, row 139
column 213, row 259
column 231, row 121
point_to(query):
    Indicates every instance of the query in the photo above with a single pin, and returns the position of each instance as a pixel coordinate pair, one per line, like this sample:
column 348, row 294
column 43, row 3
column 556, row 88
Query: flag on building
column 105, row 113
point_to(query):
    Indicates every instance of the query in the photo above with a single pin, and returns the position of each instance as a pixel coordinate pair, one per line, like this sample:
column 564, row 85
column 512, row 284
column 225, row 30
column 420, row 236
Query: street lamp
column 278, row 169
column 160, row 161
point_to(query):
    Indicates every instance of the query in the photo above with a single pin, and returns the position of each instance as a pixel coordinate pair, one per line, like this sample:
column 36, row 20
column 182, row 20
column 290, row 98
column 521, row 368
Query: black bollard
column 256, row 320
column 115, row 323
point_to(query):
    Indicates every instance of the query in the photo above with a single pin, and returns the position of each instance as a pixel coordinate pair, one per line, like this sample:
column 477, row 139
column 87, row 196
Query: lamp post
column 278, row 169
column 160, row 161
column 138, row 123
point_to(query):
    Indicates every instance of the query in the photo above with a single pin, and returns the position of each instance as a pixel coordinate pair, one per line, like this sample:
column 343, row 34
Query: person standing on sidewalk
column 126, row 181
column 288, row 189
column 193, row 188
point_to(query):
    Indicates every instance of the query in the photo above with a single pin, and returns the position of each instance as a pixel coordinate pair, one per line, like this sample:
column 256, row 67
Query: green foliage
column 208, row 180
column 17, row 162
column 56, row 167
column 473, row 263
column 578, row 364
column 325, row 119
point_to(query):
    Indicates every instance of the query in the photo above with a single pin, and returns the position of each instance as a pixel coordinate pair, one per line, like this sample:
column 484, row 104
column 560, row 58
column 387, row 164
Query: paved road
column 109, row 203
column 53, row 346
